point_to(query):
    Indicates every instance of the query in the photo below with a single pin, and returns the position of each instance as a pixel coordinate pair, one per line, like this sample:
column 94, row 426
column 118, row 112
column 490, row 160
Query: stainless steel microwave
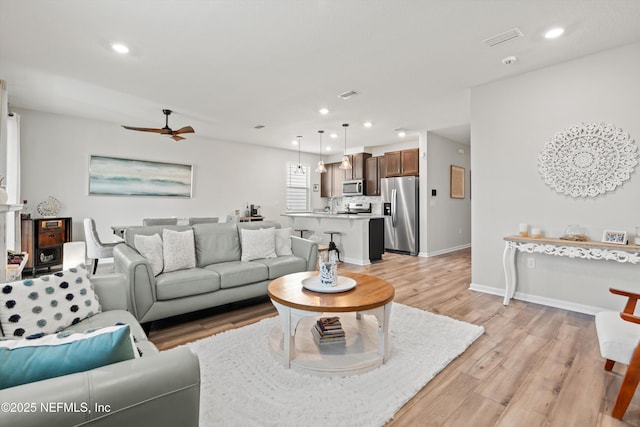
column 353, row 187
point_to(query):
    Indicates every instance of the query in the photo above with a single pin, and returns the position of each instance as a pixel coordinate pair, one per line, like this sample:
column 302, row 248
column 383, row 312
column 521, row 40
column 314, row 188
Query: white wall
column 55, row 160
column 511, row 120
column 448, row 219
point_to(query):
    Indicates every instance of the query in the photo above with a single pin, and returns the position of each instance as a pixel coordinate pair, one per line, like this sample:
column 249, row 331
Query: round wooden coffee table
column 367, row 343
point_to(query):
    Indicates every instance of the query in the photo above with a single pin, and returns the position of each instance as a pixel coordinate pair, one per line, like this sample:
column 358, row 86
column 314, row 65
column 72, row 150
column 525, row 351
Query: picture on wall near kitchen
column 588, row 160
column 127, row 177
column 457, row 182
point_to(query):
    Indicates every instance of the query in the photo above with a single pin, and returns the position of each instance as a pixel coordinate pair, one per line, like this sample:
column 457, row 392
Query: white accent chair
column 159, row 221
column 73, row 254
column 95, row 248
column 618, row 336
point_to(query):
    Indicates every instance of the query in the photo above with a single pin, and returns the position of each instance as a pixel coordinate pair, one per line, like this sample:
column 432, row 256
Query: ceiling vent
column 259, row 127
column 504, row 37
column 348, row 94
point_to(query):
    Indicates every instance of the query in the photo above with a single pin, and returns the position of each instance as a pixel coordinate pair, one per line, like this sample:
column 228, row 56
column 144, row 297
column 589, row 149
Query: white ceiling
column 225, row 66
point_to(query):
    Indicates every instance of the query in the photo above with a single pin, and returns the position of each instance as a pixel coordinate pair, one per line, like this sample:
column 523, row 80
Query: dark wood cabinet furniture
column 43, row 240
column 358, row 166
column 331, row 180
column 402, row 163
column 373, row 173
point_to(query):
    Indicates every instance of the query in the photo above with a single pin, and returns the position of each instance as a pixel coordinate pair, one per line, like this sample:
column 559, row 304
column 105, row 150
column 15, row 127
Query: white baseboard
column 356, row 261
column 536, row 299
column 443, row 251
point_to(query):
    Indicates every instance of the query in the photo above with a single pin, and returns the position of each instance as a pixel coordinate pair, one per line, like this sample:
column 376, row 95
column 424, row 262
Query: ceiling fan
column 166, row 130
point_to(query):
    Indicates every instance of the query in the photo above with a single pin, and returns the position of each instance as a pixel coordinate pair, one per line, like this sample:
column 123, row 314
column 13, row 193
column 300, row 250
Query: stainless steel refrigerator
column 401, row 218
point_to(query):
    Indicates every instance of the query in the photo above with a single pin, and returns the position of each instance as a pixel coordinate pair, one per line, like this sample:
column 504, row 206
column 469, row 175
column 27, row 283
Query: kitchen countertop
column 333, row 216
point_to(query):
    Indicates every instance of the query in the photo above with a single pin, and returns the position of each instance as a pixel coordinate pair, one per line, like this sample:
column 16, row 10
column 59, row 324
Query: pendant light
column 299, row 169
column 321, row 168
column 345, row 164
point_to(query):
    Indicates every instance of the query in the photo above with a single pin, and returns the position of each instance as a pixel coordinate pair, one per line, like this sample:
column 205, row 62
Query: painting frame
column 119, row 176
column 456, row 182
column 614, row 237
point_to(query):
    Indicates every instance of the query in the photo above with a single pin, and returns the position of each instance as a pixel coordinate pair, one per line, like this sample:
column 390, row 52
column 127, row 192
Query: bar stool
column 332, row 245
column 301, row 231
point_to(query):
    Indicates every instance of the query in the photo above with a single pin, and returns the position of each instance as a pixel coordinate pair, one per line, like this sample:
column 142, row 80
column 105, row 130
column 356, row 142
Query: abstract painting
column 127, row 177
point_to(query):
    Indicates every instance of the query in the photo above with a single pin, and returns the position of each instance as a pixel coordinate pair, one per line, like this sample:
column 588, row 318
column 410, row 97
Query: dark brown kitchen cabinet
column 43, row 240
column 373, row 175
column 358, row 166
column 402, row 163
column 331, row 180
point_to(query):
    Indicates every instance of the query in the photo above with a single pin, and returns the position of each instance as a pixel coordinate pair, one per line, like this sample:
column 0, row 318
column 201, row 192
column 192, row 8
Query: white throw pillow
column 283, row 242
column 178, row 250
column 257, row 244
column 150, row 247
column 47, row 304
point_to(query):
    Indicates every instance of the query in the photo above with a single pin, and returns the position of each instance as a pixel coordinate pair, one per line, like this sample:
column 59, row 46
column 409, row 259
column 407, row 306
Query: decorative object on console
column 128, row 177
column 575, row 233
column 588, row 160
column 166, row 130
column 49, row 207
column 616, row 237
column 345, row 164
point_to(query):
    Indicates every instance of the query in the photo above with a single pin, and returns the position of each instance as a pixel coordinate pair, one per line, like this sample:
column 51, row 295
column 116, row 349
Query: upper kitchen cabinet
column 358, row 165
column 374, row 168
column 402, row 163
column 331, row 180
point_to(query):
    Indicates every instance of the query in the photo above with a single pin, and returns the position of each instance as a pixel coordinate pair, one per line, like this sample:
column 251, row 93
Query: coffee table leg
column 383, row 314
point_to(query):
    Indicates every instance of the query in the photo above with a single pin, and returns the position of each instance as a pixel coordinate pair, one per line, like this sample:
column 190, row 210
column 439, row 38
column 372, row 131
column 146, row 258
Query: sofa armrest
column 139, row 279
column 112, row 290
column 307, row 249
column 160, row 390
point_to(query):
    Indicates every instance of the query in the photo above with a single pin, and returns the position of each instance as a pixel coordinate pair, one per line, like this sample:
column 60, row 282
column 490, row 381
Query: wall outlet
column 531, row 263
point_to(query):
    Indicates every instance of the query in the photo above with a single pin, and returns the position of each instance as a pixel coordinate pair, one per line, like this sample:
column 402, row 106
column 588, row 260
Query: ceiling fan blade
column 146, row 129
column 177, row 138
column 186, row 129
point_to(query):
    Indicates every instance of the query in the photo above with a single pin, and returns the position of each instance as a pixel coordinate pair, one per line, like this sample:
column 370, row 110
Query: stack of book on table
column 328, row 330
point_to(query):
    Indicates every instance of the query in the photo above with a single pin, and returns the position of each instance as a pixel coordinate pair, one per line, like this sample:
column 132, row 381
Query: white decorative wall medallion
column 588, row 160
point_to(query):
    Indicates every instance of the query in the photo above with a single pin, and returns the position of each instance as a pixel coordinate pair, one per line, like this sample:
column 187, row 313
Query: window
column 297, row 189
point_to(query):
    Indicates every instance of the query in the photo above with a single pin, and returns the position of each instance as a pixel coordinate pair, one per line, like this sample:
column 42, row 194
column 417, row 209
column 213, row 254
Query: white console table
column 567, row 248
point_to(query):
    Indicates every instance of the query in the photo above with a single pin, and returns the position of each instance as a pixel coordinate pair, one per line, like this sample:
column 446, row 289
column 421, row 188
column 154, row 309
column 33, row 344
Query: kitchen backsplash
column 340, row 203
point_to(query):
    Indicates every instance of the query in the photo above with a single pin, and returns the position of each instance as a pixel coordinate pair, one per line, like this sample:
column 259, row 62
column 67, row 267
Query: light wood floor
column 534, row 366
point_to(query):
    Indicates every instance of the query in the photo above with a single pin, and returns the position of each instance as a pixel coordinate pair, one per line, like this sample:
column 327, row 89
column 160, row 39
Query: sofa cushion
column 184, row 283
column 26, row 361
column 257, row 244
column 283, row 265
column 178, row 250
column 283, row 242
column 238, row 273
column 47, row 304
column 150, row 247
column 216, row 243
column 131, row 232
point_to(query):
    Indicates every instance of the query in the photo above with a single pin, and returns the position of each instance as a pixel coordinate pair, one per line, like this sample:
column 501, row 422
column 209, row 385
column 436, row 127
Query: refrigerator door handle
column 394, row 206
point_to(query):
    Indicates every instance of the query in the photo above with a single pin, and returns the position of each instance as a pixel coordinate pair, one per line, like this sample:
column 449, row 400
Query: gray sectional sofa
column 158, row 388
column 219, row 276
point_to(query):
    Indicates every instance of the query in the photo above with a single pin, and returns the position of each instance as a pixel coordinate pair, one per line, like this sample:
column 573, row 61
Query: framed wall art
column 128, row 177
column 457, row 182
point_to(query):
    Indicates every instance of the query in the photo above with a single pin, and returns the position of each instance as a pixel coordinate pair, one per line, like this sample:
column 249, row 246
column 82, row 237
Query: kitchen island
column 361, row 238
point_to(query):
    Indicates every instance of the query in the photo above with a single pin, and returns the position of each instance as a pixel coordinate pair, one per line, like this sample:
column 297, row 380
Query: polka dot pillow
column 46, row 304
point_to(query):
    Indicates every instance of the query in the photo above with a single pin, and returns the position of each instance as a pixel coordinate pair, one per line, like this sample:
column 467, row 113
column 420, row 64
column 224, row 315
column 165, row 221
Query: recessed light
column 367, row 124
column 120, row 48
column 402, row 134
column 323, row 111
column 328, row 148
column 553, row 33
column 294, row 142
column 333, row 135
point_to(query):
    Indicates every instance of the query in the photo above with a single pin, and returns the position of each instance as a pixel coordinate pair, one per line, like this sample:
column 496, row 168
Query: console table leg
column 509, row 265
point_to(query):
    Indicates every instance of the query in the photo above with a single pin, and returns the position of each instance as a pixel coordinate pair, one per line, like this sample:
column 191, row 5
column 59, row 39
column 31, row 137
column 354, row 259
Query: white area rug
column 243, row 385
